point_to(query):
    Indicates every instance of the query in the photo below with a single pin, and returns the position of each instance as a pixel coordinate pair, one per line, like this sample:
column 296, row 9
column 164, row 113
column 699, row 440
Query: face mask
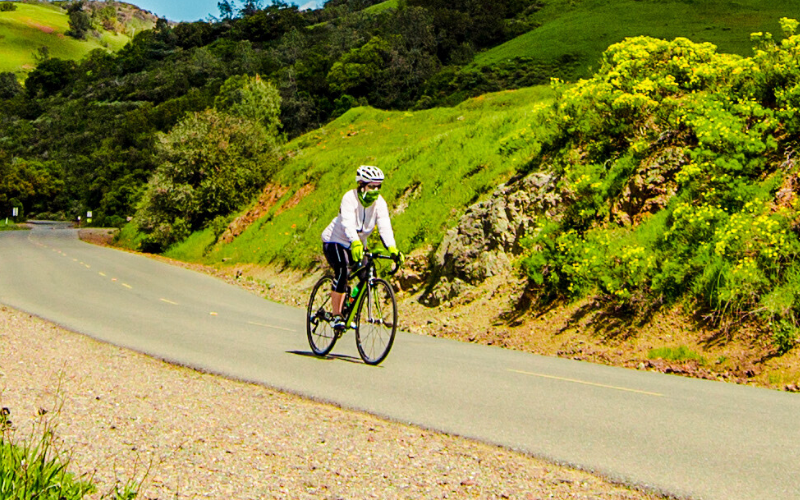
column 368, row 198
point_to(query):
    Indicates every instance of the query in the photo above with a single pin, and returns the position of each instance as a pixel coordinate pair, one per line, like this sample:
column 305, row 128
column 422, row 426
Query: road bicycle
column 372, row 313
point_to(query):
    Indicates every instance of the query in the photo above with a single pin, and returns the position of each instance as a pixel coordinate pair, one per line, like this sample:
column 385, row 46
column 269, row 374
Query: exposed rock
column 489, row 234
column 650, row 188
column 491, row 230
column 412, row 274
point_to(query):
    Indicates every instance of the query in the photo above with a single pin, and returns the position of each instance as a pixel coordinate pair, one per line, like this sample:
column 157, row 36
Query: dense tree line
column 85, row 135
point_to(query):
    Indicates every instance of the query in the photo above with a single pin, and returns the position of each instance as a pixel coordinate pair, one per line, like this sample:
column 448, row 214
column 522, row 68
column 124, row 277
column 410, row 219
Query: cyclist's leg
column 339, row 259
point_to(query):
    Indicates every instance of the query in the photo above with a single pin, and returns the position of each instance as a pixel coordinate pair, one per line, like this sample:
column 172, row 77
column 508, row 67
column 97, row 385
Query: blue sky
column 194, row 10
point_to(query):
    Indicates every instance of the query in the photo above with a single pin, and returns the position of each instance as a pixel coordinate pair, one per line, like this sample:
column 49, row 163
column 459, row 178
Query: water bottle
column 352, row 297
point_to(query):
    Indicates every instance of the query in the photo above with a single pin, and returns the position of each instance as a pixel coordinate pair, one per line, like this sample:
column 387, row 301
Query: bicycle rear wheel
column 376, row 322
column 321, row 336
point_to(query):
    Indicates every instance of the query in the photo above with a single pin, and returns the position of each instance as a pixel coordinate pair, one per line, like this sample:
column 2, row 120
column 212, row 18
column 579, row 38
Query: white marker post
column 88, row 217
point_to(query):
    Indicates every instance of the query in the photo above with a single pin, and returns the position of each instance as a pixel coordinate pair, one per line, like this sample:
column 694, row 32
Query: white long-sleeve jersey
column 356, row 221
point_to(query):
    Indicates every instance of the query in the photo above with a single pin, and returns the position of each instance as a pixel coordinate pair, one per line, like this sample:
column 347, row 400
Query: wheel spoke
column 321, row 336
column 376, row 325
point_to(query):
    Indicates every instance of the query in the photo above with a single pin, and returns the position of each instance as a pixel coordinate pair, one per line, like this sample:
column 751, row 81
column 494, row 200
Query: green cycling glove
column 357, row 250
column 397, row 254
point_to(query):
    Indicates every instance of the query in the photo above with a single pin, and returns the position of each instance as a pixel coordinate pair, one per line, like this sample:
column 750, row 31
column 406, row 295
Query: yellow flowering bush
column 716, row 235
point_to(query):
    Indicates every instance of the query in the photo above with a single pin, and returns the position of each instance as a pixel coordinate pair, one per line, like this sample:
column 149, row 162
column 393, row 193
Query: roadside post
column 14, row 214
column 89, row 217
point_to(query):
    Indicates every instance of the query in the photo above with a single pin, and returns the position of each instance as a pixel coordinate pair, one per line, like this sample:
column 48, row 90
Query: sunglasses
column 372, row 187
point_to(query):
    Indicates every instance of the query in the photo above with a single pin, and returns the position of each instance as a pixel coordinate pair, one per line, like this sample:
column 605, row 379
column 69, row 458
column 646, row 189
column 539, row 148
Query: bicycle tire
column 376, row 322
column 321, row 336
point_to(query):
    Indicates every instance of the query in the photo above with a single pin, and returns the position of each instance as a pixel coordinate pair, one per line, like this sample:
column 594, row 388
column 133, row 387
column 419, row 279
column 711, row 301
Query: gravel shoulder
column 187, row 434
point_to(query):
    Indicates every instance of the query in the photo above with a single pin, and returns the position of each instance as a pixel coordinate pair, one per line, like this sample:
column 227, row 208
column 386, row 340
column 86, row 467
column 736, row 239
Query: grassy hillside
column 380, row 7
column 32, row 26
column 670, row 190
column 584, row 29
column 437, row 162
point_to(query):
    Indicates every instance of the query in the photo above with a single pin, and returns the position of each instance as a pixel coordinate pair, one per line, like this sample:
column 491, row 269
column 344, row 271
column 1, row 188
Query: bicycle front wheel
column 376, row 322
column 321, row 336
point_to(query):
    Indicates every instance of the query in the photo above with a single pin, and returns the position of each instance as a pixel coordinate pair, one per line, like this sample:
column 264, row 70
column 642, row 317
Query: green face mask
column 368, row 198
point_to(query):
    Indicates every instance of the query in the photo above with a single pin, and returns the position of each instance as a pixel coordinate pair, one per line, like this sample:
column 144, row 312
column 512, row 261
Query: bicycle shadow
column 329, row 357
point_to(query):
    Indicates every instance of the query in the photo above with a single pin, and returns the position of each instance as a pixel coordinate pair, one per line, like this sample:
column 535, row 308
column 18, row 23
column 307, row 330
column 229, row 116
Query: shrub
column 7, row 6
column 727, row 233
column 209, row 165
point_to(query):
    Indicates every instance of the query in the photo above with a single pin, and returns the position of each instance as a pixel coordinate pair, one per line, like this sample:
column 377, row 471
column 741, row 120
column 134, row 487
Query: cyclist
column 362, row 209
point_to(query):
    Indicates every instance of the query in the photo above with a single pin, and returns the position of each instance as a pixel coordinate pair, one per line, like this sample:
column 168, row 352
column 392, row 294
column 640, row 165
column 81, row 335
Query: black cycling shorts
column 339, row 257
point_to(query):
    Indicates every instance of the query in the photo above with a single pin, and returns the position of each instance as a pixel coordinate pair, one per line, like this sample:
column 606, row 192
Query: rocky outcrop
column 489, row 234
column 650, row 188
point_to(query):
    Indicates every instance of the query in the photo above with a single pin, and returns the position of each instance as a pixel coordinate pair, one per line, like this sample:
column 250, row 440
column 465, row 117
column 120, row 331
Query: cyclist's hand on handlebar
column 397, row 255
column 357, row 250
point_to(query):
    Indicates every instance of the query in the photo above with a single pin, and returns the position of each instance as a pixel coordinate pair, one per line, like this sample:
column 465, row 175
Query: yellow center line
column 169, row 302
column 88, row 266
column 271, row 326
column 102, row 274
column 126, row 285
column 588, row 383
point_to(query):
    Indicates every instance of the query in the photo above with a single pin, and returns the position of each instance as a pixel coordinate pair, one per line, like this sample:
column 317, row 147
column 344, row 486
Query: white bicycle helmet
column 367, row 174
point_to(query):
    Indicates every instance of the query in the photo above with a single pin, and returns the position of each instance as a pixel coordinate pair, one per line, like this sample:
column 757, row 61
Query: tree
column 210, row 164
column 251, row 98
column 79, row 21
column 250, row 7
column 225, row 9
column 9, row 86
column 357, row 70
column 49, row 77
column 31, row 183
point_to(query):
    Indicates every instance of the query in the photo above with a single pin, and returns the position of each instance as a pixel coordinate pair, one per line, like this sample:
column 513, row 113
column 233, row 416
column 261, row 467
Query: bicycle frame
column 374, row 331
column 370, row 274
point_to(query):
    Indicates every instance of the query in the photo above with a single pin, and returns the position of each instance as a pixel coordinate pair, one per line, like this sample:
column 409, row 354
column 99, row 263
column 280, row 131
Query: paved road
column 690, row 438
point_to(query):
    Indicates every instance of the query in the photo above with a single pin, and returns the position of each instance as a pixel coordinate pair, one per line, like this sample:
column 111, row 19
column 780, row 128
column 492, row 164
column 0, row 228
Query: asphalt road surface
column 689, row 438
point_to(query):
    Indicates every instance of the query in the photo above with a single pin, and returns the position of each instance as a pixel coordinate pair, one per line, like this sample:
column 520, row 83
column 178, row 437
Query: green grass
column 33, row 467
column 678, row 354
column 373, row 10
column 10, row 226
column 437, row 163
column 380, row 7
column 32, row 26
column 585, row 28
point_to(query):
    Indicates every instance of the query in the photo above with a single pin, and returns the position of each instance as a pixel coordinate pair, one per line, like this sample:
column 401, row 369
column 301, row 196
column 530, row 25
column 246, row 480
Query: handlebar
column 355, row 268
column 388, row 257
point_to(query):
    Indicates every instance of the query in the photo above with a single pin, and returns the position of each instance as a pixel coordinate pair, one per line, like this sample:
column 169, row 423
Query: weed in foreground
column 34, row 466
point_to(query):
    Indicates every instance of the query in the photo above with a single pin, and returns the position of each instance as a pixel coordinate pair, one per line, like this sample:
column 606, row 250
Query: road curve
column 688, row 438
